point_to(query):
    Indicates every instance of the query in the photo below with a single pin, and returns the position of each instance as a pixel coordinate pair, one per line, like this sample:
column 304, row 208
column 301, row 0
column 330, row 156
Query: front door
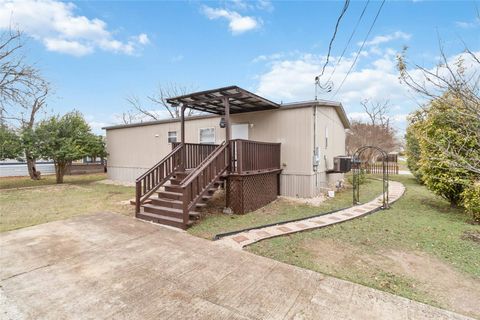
column 240, row 131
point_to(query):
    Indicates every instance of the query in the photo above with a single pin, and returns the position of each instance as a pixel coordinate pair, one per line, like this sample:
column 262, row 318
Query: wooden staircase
column 170, row 195
column 166, row 206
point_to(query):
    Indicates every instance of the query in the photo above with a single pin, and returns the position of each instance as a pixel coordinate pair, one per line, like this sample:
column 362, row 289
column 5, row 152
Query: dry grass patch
column 26, row 202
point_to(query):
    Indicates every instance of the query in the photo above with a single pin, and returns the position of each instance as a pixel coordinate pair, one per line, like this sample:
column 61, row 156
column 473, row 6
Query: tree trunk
column 60, row 168
column 32, row 170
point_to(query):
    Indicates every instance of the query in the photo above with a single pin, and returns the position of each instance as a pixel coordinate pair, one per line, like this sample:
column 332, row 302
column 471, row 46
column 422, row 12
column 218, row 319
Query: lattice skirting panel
column 246, row 193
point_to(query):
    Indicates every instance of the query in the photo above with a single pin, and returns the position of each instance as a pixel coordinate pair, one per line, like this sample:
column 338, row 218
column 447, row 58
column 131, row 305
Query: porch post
column 182, row 121
column 226, row 104
column 182, row 133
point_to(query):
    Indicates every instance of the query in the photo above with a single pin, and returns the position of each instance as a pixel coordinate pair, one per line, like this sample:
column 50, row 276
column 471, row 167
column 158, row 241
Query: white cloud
column 243, row 5
column 60, row 29
column 266, row 5
column 291, row 79
column 236, row 22
column 143, row 38
column 387, row 38
column 468, row 24
column 66, row 46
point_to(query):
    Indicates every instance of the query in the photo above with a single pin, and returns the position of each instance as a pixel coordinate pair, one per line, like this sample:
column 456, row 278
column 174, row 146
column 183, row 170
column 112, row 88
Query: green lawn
column 215, row 222
column 416, row 249
column 25, row 202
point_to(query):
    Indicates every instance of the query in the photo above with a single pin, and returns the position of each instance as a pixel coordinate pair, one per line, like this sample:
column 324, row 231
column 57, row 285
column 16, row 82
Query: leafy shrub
column 471, row 200
column 440, row 145
column 361, row 177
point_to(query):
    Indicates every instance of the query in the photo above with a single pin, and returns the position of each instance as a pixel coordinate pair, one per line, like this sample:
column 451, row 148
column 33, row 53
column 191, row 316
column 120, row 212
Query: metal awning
column 212, row 101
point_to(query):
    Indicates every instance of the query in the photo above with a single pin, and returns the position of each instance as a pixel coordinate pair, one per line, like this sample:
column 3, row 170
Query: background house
column 311, row 134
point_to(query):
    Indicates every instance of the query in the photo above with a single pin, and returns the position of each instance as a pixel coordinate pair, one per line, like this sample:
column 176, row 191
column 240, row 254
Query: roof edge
column 285, row 106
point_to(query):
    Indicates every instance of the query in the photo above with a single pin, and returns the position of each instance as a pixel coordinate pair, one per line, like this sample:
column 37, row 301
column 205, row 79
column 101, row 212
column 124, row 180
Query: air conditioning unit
column 342, row 164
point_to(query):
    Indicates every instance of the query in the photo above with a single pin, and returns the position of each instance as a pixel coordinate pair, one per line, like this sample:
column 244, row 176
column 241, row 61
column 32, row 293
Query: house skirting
column 291, row 184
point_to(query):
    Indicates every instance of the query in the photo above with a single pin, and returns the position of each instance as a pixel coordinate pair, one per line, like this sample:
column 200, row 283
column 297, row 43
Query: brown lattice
column 247, row 193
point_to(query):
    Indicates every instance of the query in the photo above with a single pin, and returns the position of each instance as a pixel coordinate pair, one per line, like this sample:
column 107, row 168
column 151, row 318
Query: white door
column 240, row 131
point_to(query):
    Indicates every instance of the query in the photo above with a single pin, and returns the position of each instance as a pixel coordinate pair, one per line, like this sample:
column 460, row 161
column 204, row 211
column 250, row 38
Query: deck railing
column 195, row 153
column 200, row 180
column 253, row 156
column 156, row 176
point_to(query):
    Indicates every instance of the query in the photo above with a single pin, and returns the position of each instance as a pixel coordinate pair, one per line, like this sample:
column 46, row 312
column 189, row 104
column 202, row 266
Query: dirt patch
column 442, row 283
column 316, row 201
column 472, row 236
column 217, row 204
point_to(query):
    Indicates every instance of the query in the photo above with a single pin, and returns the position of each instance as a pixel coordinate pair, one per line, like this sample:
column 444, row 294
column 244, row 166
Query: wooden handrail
column 195, row 153
column 156, row 176
column 175, row 150
column 199, row 181
column 202, row 164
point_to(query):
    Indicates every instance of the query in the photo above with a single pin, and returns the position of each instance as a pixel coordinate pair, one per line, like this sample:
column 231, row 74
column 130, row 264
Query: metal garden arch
column 356, row 169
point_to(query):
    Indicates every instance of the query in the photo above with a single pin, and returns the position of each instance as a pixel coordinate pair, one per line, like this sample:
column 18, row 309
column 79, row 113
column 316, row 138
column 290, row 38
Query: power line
column 361, row 48
column 342, row 13
column 349, row 39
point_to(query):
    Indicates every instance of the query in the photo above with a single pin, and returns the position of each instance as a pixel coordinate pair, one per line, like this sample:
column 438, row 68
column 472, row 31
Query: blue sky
column 96, row 54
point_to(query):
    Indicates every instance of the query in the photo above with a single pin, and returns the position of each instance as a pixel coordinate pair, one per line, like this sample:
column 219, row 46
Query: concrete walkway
column 242, row 239
column 108, row 266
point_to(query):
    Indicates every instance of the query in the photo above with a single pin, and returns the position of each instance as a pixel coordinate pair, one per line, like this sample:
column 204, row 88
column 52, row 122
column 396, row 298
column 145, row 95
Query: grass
column 26, row 182
column 25, row 202
column 419, row 223
column 281, row 210
column 402, row 165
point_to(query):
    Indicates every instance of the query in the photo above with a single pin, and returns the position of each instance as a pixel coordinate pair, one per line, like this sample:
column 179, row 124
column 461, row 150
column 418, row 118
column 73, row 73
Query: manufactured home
column 257, row 147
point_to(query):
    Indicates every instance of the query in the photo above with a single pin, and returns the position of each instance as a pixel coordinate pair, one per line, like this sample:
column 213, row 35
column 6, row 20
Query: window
column 207, row 135
column 172, row 136
column 326, row 137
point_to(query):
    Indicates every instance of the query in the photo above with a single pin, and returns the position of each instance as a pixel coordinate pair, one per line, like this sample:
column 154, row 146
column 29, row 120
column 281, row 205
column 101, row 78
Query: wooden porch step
column 180, row 174
column 175, row 181
column 169, row 212
column 169, row 221
column 173, row 188
column 170, row 195
column 170, row 203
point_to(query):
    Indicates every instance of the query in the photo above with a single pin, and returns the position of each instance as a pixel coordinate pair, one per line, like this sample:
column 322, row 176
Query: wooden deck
column 174, row 189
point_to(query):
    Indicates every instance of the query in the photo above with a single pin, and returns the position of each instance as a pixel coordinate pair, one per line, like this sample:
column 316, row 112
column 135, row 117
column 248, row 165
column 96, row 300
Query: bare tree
column 376, row 132
column 377, row 111
column 18, row 79
column 366, row 134
column 159, row 107
column 460, row 78
column 23, row 92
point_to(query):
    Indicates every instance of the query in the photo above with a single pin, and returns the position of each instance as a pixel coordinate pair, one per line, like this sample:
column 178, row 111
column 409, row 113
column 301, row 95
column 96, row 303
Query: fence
column 377, row 168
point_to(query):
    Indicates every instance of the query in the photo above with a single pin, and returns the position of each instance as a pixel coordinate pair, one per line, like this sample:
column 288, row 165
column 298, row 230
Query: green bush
column 413, row 154
column 440, row 145
column 361, row 177
column 471, row 200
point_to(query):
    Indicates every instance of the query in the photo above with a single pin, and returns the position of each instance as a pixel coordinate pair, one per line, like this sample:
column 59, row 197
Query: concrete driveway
column 111, row 266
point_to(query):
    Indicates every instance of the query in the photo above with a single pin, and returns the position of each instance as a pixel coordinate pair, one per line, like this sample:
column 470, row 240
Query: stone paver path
column 242, row 239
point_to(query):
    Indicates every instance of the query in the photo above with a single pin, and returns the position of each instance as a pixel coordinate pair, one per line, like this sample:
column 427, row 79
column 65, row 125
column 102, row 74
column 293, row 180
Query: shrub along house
column 258, row 147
